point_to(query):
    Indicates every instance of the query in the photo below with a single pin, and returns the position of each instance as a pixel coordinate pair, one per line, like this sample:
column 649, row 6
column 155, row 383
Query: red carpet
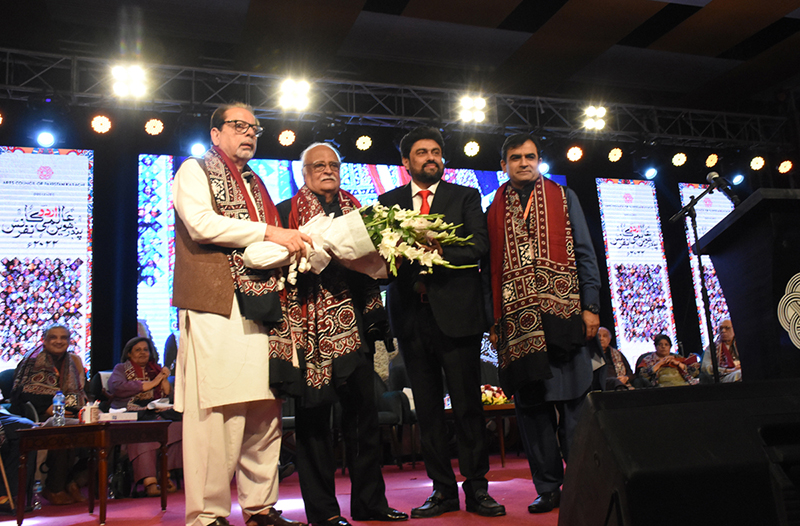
column 511, row 486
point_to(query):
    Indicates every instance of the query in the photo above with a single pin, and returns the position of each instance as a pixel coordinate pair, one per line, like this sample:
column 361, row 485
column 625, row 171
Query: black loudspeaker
column 707, row 454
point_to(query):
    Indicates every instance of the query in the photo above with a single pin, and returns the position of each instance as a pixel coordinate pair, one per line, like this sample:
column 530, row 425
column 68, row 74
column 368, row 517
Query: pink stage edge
column 406, row 488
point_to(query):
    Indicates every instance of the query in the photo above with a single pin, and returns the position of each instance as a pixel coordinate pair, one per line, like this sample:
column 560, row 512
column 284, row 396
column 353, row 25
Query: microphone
column 722, row 185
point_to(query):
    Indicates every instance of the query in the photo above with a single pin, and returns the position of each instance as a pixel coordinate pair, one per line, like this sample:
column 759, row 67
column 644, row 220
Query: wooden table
column 100, row 438
column 498, row 412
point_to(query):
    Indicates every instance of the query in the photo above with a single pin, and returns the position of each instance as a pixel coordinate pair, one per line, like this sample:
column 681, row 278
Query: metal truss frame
column 81, row 81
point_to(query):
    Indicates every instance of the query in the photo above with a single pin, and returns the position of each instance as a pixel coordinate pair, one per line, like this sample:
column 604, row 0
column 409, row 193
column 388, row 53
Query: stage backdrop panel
column 45, row 248
column 637, row 267
column 156, row 249
column 710, row 211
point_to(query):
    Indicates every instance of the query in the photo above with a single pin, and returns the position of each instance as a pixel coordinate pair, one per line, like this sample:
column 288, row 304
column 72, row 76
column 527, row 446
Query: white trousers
column 244, row 439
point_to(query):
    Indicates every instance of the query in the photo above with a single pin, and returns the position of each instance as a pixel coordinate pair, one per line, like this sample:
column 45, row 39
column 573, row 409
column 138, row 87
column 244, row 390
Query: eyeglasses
column 242, row 127
column 320, row 166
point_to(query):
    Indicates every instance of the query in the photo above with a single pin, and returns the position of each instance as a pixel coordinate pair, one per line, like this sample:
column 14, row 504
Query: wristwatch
column 594, row 308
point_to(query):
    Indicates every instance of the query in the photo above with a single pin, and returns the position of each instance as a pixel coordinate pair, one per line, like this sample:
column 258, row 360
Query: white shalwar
column 231, row 418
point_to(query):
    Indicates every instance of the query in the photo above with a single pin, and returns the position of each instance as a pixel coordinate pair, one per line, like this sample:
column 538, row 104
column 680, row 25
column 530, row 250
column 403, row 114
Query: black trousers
column 10, row 451
column 315, row 458
column 547, row 430
column 426, row 354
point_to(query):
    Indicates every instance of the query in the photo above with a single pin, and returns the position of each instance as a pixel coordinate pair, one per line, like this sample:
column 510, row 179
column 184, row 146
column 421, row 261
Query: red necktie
column 425, row 208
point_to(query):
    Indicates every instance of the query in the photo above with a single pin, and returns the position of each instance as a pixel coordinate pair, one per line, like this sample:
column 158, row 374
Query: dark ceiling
column 732, row 55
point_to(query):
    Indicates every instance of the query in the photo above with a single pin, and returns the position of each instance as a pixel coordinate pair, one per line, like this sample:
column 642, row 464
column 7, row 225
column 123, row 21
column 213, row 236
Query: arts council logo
column 44, row 173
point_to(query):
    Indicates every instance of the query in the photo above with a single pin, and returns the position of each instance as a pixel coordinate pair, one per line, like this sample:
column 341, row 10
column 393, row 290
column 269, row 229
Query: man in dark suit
column 438, row 319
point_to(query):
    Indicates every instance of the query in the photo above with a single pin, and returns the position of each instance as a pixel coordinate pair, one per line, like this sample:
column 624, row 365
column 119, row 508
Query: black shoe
column 336, row 521
column 221, row 521
column 387, row 515
column 435, row 506
column 273, row 518
column 545, row 502
column 485, row 505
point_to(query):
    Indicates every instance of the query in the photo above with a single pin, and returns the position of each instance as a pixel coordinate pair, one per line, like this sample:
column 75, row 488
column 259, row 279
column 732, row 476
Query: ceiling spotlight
column 101, row 124
column 287, row 138
column 679, row 159
column 46, row 139
column 737, row 179
column 712, row 160
column 129, row 81
column 154, row 126
column 471, row 109
column 595, row 112
column 364, row 142
column 574, row 154
column 1, row 118
column 785, row 167
column 650, row 173
column 757, row 163
column 198, row 149
column 544, row 168
column 294, row 94
column 615, row 155
column 472, row 148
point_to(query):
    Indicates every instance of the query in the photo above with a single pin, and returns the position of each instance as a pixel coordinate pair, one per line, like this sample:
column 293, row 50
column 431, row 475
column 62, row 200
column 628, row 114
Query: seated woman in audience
column 133, row 384
column 663, row 368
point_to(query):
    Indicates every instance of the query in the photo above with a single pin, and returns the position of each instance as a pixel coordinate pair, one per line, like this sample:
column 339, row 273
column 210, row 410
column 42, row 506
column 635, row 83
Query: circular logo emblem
column 789, row 310
column 44, row 172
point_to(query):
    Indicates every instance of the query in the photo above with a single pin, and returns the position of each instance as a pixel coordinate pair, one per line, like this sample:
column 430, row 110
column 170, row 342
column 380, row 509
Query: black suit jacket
column 455, row 296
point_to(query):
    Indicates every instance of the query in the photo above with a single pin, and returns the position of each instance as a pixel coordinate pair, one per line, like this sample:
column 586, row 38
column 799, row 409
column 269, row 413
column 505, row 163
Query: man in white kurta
column 231, row 419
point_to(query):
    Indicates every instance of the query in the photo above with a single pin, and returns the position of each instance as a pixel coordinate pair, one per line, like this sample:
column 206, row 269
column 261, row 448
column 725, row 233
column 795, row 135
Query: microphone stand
column 690, row 211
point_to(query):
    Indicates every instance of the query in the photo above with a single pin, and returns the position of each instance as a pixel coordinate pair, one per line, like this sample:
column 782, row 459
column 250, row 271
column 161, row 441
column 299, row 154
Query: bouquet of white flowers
column 397, row 232
column 364, row 242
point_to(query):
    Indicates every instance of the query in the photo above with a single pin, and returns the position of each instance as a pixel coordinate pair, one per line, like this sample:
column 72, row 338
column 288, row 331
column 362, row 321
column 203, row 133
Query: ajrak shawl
column 322, row 311
column 139, row 401
column 37, row 374
column 536, row 296
column 257, row 290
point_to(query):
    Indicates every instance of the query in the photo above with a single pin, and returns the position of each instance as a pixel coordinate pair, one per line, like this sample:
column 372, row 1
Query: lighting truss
column 82, row 81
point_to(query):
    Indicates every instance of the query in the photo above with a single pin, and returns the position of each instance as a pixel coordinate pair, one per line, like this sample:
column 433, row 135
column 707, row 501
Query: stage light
column 471, row 109
column 294, row 94
column 472, row 148
column 154, row 126
column 101, row 124
column 785, row 167
column 737, row 179
column 679, row 159
column 757, row 163
column 198, row 149
column 594, row 124
column 287, row 138
column 364, row 142
column 615, row 155
column 574, row 154
column 544, row 168
column 650, row 173
column 712, row 160
column 1, row 118
column 129, row 81
column 595, row 112
column 46, row 139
